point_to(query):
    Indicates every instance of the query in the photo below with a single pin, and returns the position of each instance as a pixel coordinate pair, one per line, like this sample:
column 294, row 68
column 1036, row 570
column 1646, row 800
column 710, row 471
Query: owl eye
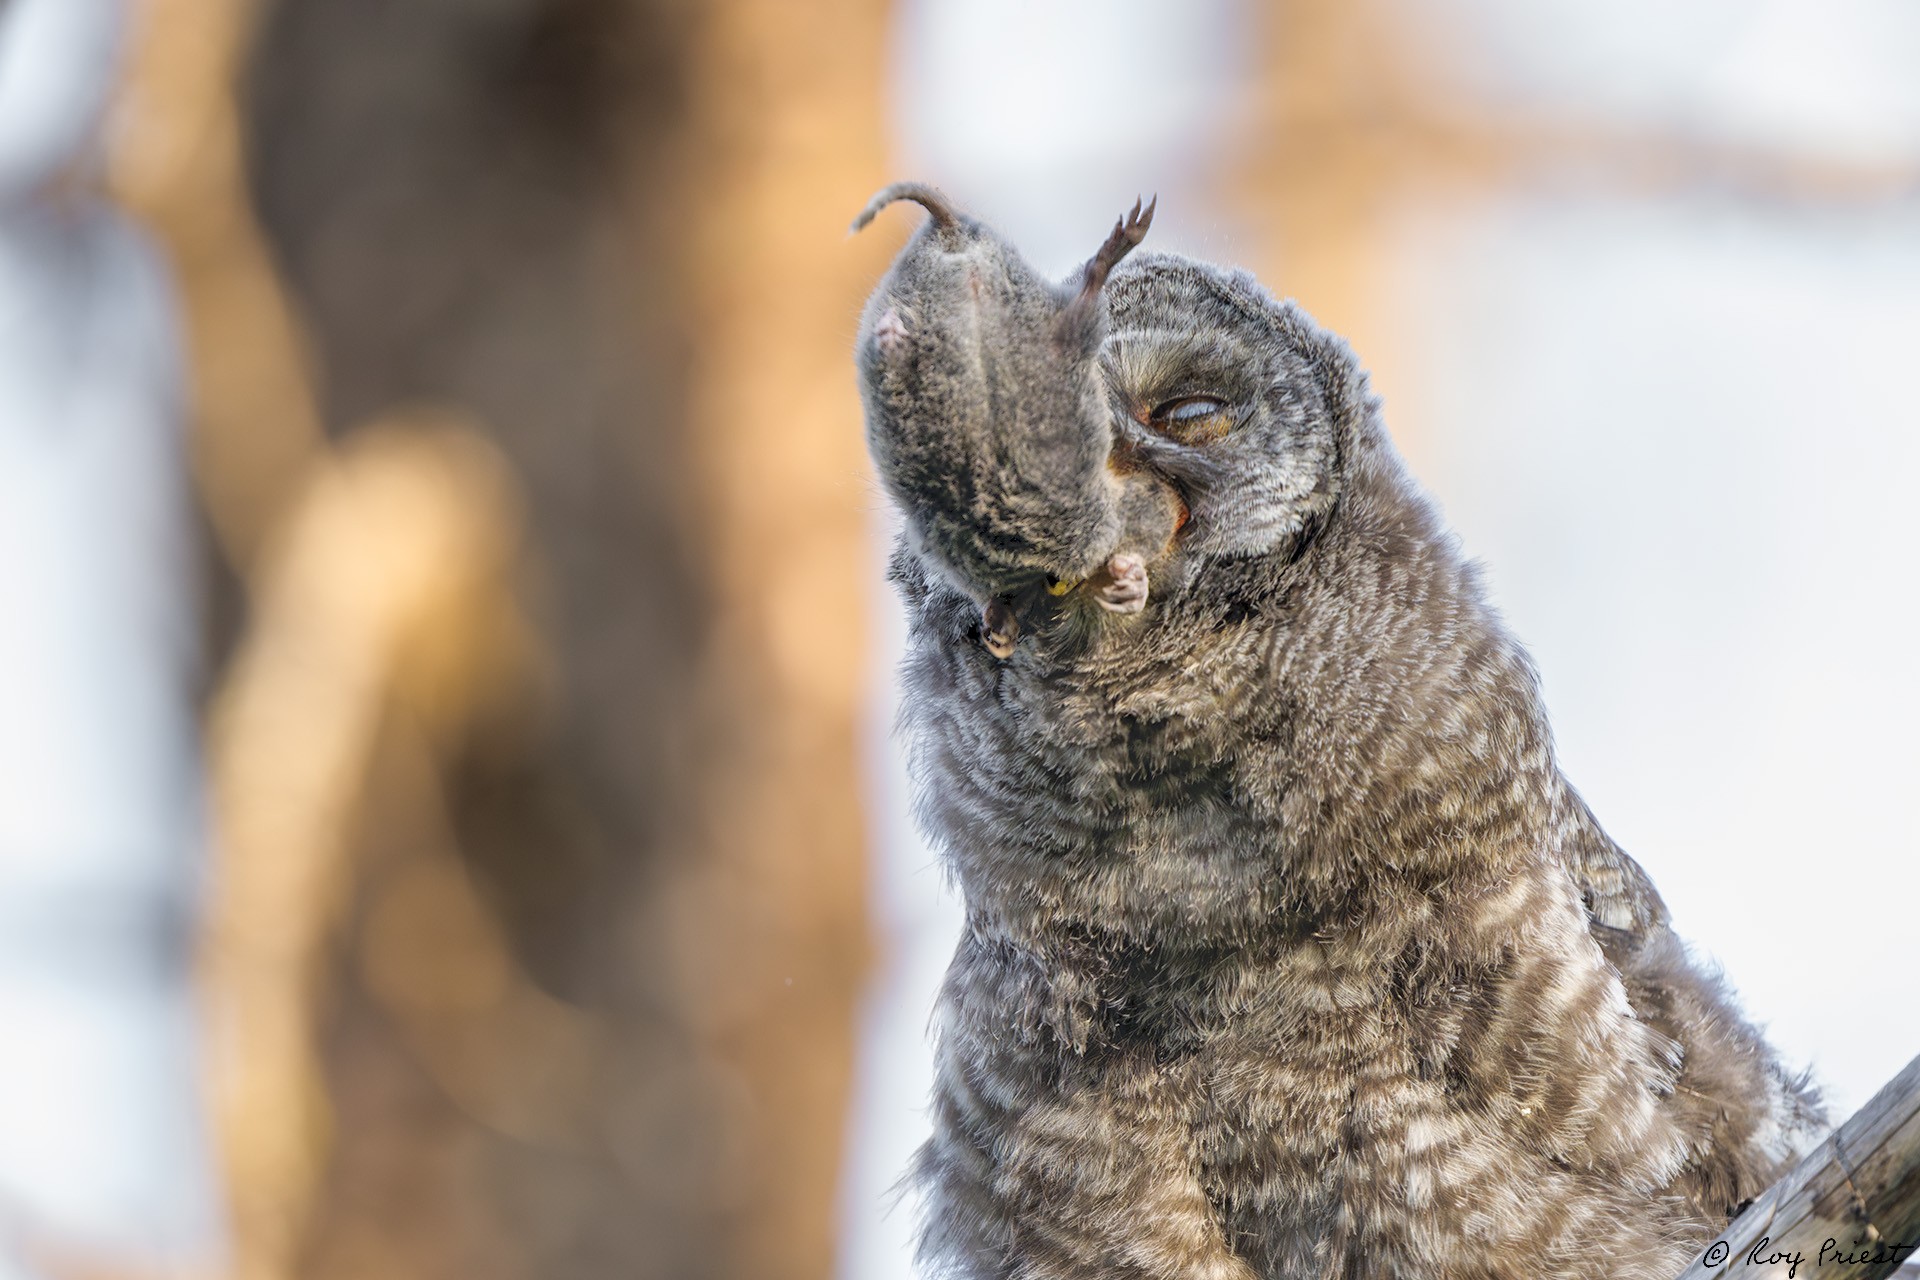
column 1190, row 419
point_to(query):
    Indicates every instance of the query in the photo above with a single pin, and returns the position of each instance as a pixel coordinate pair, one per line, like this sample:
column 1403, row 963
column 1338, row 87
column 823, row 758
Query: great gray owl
column 1289, row 951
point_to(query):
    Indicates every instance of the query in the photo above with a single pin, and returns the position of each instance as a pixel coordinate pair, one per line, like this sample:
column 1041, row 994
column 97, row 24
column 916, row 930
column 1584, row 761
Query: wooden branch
column 1850, row 1209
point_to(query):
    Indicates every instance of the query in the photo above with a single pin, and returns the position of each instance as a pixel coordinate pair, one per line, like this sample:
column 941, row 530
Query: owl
column 1289, row 950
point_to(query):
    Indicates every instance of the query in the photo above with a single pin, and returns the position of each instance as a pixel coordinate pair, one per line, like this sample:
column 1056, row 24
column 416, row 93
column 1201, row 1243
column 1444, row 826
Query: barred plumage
column 1290, row 952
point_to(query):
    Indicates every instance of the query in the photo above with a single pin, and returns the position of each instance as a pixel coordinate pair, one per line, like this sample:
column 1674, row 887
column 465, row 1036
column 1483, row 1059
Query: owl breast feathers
column 1289, row 950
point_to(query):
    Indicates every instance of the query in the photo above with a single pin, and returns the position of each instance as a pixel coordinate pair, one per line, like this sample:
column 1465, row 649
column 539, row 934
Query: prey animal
column 1289, row 950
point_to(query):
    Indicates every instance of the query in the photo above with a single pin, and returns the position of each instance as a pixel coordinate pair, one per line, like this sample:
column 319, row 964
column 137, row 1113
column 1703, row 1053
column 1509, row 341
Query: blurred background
column 448, row 821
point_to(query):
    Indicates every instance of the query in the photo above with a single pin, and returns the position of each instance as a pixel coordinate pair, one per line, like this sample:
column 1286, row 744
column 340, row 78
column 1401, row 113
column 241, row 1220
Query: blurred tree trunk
column 593, row 1011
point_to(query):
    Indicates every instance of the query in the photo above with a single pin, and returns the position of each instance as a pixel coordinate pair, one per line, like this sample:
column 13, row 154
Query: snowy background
column 101, row 1146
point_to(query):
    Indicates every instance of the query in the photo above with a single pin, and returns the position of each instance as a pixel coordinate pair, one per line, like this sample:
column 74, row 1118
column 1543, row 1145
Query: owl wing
column 1620, row 898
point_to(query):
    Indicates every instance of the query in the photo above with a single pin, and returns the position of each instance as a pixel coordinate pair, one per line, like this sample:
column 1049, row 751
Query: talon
column 999, row 629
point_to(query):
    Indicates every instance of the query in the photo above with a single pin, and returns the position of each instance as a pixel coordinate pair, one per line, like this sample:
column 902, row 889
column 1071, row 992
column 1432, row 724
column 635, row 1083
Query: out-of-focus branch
column 388, row 586
column 177, row 164
column 379, row 580
column 1851, row 1208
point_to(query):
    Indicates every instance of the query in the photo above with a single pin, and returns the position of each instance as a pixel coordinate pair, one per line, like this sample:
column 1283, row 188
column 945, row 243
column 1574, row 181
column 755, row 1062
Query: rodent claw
column 999, row 628
column 1121, row 584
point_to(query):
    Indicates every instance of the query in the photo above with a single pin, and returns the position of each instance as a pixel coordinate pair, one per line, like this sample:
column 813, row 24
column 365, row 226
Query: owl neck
column 1296, row 742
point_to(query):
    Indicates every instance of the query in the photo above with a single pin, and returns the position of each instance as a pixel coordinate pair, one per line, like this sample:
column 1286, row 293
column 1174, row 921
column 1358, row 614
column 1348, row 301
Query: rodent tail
column 921, row 194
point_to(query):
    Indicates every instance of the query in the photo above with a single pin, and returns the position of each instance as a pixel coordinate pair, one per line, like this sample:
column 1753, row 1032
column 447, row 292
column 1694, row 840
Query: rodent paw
column 999, row 628
column 890, row 331
column 1121, row 584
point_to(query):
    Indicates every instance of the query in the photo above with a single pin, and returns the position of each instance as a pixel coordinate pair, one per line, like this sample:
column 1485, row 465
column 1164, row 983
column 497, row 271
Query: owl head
column 1030, row 429
column 1240, row 402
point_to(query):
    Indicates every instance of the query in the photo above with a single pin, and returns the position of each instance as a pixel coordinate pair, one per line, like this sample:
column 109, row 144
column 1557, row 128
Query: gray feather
column 1290, row 952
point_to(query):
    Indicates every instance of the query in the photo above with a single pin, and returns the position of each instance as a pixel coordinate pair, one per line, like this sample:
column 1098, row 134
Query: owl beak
column 1127, row 461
